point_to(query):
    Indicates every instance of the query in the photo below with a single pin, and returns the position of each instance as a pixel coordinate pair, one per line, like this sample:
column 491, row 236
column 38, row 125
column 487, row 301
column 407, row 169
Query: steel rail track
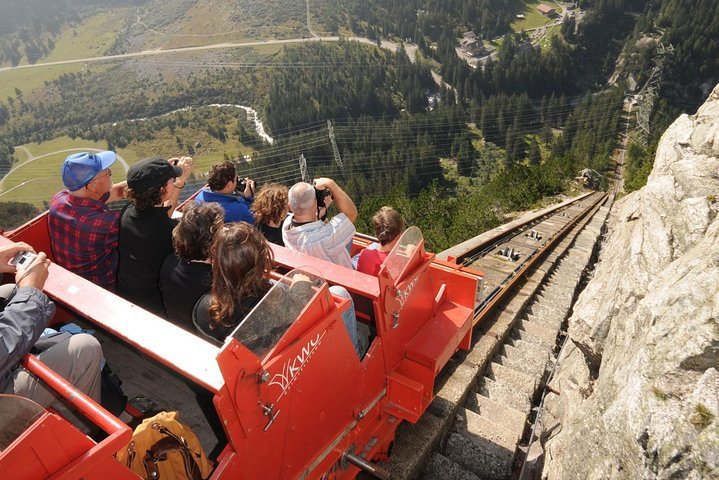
column 469, row 431
column 506, row 285
column 461, row 251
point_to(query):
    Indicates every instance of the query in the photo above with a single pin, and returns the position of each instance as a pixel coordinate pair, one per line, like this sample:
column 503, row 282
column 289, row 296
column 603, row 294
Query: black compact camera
column 23, row 259
column 241, row 186
column 321, row 195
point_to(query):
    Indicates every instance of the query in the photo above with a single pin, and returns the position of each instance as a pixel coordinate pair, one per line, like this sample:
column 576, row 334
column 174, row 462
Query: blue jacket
column 237, row 209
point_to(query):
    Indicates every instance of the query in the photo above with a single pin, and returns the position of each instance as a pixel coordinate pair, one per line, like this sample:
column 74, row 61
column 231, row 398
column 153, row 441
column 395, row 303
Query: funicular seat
column 363, row 288
column 36, row 233
column 295, row 381
column 421, row 311
column 179, row 350
column 34, row 442
column 37, row 443
column 446, row 323
column 151, row 336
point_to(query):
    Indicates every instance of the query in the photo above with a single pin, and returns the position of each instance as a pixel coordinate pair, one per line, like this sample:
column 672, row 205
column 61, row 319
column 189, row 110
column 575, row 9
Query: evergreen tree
column 465, row 158
column 535, row 153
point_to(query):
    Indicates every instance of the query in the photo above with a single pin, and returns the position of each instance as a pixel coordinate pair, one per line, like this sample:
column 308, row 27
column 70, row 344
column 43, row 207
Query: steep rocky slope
column 638, row 378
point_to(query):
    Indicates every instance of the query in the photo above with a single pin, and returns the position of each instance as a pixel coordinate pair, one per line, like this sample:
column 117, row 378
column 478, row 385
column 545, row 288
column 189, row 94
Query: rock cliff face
column 638, row 377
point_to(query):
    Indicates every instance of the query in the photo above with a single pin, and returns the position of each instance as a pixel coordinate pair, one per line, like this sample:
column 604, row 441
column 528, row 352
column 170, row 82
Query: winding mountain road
column 410, row 49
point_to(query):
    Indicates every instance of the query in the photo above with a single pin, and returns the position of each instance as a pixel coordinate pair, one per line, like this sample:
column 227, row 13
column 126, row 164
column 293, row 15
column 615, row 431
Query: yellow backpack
column 163, row 448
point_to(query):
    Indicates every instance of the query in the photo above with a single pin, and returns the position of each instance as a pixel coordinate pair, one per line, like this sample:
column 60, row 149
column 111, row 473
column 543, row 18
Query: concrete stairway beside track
column 489, row 426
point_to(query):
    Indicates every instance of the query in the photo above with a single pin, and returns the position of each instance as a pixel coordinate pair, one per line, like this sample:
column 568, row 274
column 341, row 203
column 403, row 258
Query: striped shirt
column 329, row 241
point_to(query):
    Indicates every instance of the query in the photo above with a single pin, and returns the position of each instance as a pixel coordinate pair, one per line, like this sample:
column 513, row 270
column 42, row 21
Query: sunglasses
column 105, row 173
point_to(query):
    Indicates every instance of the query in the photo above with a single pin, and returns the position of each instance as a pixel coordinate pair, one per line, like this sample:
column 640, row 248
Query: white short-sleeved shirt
column 328, row 241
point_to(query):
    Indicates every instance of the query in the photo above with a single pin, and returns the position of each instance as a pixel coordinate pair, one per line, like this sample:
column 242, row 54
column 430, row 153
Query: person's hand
column 249, row 188
column 35, row 274
column 8, row 252
column 118, row 191
column 323, row 183
column 185, row 163
column 339, row 197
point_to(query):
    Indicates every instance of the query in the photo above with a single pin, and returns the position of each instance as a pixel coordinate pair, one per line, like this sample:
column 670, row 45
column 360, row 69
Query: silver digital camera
column 23, row 259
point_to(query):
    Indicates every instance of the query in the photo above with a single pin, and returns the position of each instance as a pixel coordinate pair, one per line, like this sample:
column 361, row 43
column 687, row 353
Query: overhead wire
column 396, row 131
column 270, row 173
column 285, row 157
column 313, row 131
column 381, row 136
column 315, row 128
column 284, row 153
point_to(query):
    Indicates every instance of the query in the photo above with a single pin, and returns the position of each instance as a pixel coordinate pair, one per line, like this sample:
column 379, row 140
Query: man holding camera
column 232, row 193
column 25, row 311
column 304, row 231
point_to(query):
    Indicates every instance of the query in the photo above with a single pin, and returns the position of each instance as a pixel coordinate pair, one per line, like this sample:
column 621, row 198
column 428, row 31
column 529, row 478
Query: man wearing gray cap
column 83, row 230
column 153, row 187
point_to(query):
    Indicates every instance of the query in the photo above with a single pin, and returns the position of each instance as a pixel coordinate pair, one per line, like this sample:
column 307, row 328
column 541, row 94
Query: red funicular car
column 294, row 398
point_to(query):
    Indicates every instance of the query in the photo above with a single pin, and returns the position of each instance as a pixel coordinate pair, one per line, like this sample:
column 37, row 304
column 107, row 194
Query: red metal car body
column 305, row 408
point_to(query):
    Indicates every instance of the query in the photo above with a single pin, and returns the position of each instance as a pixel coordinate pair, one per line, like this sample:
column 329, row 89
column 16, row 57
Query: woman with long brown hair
column 241, row 263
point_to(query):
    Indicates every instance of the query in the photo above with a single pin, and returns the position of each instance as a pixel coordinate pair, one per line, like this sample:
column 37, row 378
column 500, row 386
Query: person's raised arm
column 27, row 313
column 117, row 192
column 342, row 200
column 185, row 163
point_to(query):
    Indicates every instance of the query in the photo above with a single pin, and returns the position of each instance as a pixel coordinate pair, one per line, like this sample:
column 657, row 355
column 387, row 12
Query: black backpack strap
column 170, row 443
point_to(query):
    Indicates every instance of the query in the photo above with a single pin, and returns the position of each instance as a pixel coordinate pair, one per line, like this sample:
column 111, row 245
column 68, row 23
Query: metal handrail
column 119, row 434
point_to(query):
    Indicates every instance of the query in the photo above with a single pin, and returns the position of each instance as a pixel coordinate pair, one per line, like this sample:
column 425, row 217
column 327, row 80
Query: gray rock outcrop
column 639, row 375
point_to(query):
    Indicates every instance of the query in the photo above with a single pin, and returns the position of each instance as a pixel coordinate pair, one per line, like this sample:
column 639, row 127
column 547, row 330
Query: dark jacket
column 182, row 283
column 145, row 242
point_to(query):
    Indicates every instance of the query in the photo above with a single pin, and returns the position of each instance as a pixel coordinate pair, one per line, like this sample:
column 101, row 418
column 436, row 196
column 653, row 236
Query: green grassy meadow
column 210, row 152
column 533, row 18
column 60, row 143
column 210, row 22
column 28, row 79
column 91, row 38
column 37, row 181
column 546, row 42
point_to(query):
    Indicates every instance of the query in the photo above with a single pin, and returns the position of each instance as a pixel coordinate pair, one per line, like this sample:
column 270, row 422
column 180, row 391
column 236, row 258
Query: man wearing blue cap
column 83, row 230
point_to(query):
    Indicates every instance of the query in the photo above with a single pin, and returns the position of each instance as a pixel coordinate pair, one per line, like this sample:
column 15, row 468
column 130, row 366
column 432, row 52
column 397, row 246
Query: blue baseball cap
column 79, row 168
